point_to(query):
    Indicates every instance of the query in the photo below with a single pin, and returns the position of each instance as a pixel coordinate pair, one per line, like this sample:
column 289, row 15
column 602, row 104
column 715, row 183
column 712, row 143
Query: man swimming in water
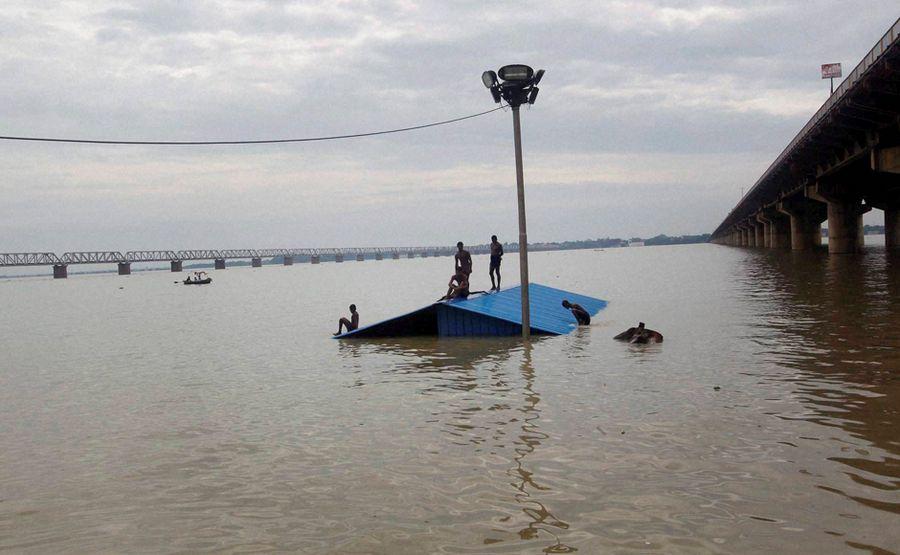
column 578, row 311
column 352, row 323
column 496, row 255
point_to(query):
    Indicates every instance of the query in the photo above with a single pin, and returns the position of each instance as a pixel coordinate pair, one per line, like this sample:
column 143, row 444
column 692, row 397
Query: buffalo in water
column 640, row 334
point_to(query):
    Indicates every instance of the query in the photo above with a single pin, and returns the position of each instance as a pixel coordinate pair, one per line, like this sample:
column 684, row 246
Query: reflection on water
column 767, row 421
column 834, row 321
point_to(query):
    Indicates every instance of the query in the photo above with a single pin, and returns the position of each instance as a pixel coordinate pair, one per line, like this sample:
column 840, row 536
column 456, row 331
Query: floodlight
column 516, row 72
column 489, row 78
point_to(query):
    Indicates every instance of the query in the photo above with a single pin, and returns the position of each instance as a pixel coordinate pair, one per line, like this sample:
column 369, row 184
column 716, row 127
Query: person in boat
column 463, row 260
column 581, row 315
column 350, row 324
column 640, row 334
column 188, row 280
column 496, row 255
column 458, row 288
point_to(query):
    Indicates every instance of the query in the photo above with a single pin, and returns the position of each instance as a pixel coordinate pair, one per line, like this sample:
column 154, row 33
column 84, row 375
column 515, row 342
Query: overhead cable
column 247, row 142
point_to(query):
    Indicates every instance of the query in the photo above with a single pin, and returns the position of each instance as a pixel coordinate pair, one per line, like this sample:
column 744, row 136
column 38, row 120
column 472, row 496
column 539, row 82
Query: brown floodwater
column 141, row 416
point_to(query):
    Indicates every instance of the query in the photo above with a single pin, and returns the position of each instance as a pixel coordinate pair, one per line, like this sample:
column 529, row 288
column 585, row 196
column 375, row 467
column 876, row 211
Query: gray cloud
column 651, row 118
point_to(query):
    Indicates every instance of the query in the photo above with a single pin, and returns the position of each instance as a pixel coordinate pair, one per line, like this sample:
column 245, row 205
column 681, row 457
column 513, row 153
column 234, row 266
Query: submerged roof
column 497, row 313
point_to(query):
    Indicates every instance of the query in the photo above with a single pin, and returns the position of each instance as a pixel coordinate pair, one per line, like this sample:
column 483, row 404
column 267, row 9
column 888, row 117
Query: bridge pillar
column 845, row 219
column 60, row 271
column 410, row 255
column 288, row 260
column 424, row 255
column 805, row 217
column 379, row 256
column 892, row 227
column 759, row 234
column 220, row 264
column 256, row 262
column 339, row 257
column 395, row 255
column 314, row 259
column 175, row 265
column 766, row 225
column 360, row 257
column 124, row 268
column 745, row 236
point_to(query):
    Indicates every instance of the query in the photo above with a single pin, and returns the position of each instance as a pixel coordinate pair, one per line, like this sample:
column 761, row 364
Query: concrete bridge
column 844, row 162
column 176, row 259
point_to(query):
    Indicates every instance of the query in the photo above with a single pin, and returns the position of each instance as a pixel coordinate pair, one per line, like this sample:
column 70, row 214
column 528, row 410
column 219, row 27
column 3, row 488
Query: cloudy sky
column 651, row 118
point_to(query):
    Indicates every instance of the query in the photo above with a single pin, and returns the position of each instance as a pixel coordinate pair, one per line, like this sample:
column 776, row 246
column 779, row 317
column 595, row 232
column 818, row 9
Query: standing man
column 496, row 255
column 463, row 261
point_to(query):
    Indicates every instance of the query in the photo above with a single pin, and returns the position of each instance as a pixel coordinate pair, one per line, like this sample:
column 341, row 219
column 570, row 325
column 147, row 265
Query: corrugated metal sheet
column 547, row 313
column 494, row 314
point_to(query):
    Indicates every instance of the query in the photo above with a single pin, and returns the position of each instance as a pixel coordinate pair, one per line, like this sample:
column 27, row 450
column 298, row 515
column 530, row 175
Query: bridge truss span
column 29, row 259
column 93, row 257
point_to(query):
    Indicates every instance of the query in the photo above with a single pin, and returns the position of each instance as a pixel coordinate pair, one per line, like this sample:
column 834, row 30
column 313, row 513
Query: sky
column 653, row 116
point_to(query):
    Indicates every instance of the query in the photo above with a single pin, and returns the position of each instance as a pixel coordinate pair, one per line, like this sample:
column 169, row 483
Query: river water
column 137, row 415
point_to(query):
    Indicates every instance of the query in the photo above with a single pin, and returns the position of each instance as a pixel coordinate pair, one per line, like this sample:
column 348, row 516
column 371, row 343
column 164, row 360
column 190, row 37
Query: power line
column 257, row 142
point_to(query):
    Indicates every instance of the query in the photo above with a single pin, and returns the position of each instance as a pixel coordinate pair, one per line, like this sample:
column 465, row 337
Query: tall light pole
column 517, row 85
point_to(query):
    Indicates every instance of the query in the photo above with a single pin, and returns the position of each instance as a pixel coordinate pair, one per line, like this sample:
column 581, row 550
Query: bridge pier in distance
column 379, row 256
column 219, row 264
column 892, row 227
column 410, row 255
column 314, row 259
column 339, row 257
column 288, row 260
column 360, row 257
column 175, row 265
column 124, row 268
column 395, row 256
column 759, row 234
column 60, row 271
column 256, row 262
column 805, row 217
column 778, row 227
column 745, row 236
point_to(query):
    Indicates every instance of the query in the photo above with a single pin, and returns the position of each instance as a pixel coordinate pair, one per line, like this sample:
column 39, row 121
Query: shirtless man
column 458, row 288
column 640, row 334
column 496, row 255
column 463, row 260
column 578, row 311
column 350, row 324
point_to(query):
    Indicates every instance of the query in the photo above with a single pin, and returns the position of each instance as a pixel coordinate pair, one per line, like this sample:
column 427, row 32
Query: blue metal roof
column 492, row 314
column 547, row 313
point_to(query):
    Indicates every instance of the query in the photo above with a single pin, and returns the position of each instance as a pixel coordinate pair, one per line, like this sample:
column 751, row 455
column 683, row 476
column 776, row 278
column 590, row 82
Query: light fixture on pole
column 517, row 85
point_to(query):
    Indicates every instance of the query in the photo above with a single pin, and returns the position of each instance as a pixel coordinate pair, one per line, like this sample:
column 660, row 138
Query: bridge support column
column 410, row 255
column 766, row 225
column 745, row 237
column 175, row 265
column 124, row 268
column 759, row 233
column 60, row 271
column 256, row 262
column 845, row 219
column 288, row 260
column 379, row 256
column 339, row 257
column 805, row 217
column 314, row 259
column 220, row 264
column 360, row 257
column 395, row 256
column 892, row 227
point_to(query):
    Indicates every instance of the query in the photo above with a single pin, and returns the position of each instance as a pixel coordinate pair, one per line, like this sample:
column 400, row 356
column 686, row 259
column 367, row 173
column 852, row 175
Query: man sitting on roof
column 352, row 323
column 458, row 288
column 578, row 311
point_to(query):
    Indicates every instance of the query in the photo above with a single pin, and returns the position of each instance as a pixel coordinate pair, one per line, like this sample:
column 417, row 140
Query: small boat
column 198, row 279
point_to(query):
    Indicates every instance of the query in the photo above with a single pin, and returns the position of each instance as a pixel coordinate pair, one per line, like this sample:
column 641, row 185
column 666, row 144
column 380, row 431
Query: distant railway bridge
column 176, row 259
column 843, row 162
